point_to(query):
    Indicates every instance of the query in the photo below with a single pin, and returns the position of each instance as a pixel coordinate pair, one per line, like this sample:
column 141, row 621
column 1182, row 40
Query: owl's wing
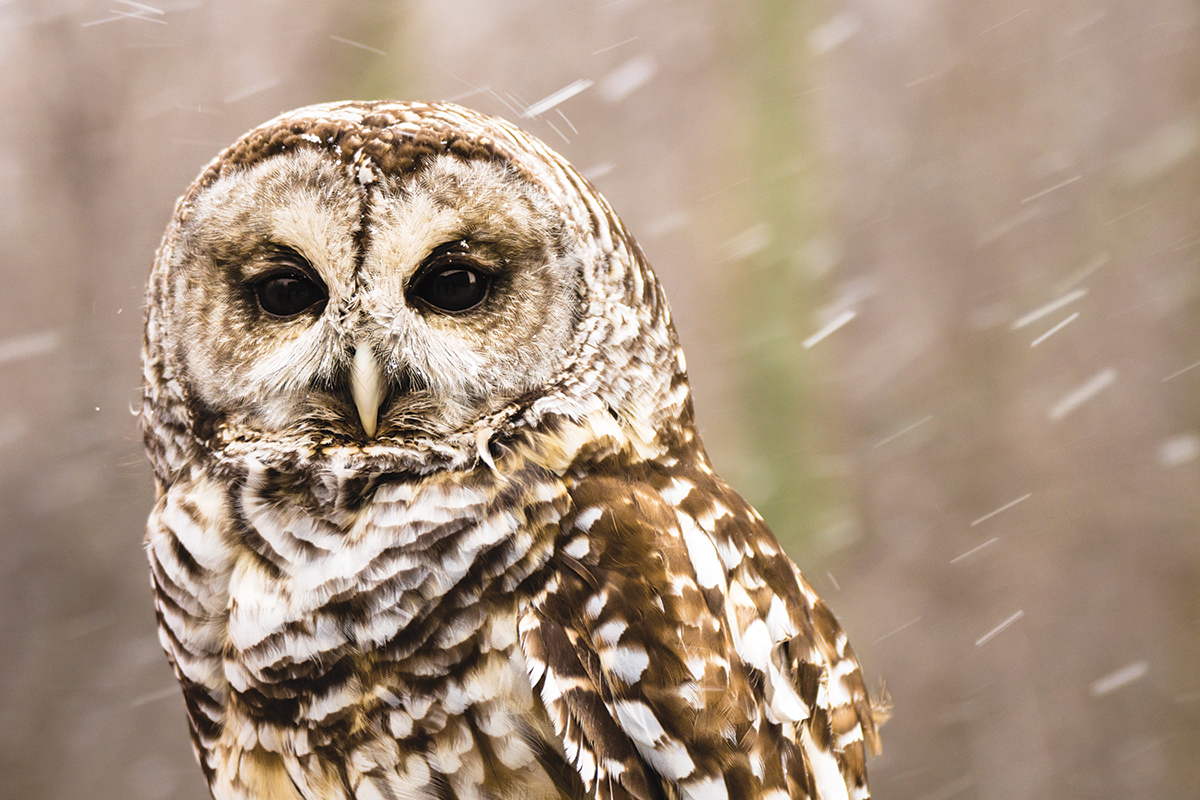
column 680, row 653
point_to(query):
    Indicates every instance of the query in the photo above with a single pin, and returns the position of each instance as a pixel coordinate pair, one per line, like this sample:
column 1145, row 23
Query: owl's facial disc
column 314, row 305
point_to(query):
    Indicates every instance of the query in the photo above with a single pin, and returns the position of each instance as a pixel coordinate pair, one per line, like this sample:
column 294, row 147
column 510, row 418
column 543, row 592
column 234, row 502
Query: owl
column 433, row 519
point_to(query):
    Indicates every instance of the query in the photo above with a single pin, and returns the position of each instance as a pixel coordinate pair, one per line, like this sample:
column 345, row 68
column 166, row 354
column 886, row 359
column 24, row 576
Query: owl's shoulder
column 678, row 644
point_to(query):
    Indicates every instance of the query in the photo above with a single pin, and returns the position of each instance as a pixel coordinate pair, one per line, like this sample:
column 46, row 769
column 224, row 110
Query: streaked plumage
column 407, row 549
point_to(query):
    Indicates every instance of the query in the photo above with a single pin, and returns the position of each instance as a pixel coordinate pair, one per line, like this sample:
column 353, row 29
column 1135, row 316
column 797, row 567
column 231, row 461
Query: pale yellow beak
column 367, row 386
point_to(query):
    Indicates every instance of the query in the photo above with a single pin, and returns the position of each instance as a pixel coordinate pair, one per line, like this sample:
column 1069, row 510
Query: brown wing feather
column 681, row 654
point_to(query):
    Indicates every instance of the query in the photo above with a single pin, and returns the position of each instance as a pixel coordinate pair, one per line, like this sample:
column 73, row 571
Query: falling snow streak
column 28, row 345
column 1004, row 507
column 1177, row 373
column 1086, row 391
column 627, row 78
column 1094, row 263
column 837, row 322
column 140, row 11
column 1053, row 330
column 975, row 550
column 926, row 78
column 1128, row 213
column 1053, row 188
column 1116, row 680
column 904, row 430
column 561, row 96
column 906, row 625
column 991, row 28
column 168, row 693
column 1177, row 450
column 615, row 46
column 1049, row 308
column 987, row 637
column 249, row 91
column 359, row 45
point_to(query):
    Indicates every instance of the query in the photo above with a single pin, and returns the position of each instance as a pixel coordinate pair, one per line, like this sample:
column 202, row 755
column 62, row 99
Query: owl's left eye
column 452, row 288
column 288, row 292
column 452, row 280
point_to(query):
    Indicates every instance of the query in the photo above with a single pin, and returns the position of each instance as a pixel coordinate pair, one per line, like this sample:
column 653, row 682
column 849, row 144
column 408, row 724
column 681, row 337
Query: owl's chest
column 415, row 582
column 403, row 729
column 379, row 643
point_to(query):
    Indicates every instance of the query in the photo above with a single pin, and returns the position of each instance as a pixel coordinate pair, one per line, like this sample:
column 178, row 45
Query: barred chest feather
column 360, row 651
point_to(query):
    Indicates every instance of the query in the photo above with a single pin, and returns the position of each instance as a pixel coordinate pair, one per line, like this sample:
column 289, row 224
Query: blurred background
column 934, row 263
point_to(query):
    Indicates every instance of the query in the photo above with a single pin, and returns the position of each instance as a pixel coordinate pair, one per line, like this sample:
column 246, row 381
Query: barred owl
column 433, row 518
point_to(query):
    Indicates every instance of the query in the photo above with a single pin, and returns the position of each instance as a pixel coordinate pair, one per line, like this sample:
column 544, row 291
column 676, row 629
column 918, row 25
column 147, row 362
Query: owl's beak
column 367, row 386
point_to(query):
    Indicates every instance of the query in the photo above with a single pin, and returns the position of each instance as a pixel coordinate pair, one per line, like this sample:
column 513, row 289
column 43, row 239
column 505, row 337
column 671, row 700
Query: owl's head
column 395, row 279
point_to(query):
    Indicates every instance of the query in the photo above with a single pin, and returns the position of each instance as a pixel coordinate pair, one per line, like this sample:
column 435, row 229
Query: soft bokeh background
column 935, row 265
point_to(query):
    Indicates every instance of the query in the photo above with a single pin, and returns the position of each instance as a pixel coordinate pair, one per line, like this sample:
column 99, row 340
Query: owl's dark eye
column 288, row 292
column 452, row 287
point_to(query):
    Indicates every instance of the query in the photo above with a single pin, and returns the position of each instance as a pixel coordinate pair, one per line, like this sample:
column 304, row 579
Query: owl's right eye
column 287, row 292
